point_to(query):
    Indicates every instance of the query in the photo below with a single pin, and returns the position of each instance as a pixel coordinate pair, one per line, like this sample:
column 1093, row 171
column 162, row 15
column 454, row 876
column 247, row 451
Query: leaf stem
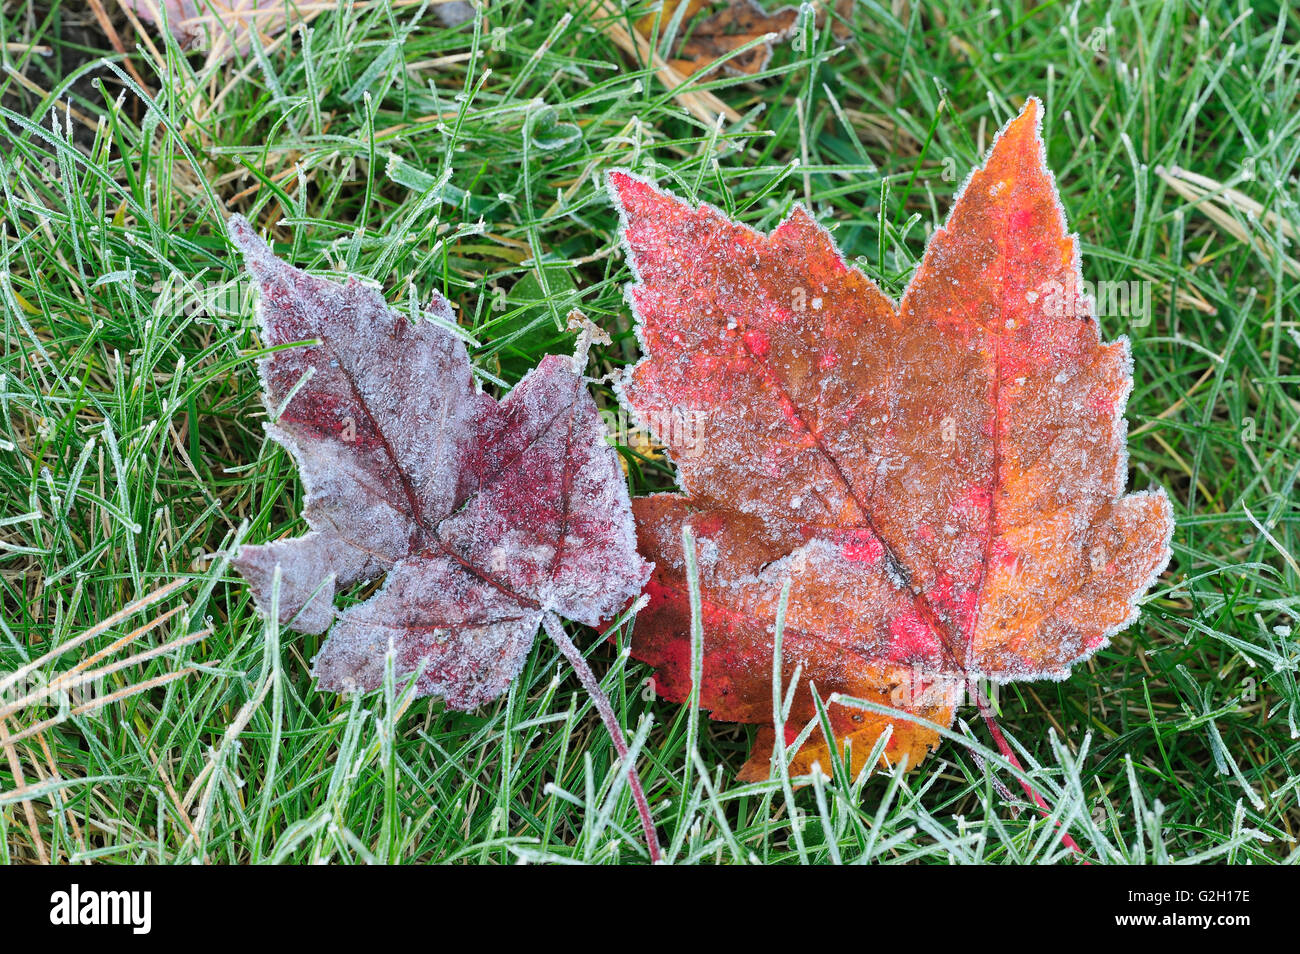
column 554, row 629
column 1005, row 748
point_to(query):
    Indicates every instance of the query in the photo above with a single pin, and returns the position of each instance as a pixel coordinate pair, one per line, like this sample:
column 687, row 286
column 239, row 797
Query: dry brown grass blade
column 78, row 675
column 36, row 88
column 209, row 773
column 63, row 793
column 121, row 641
column 1177, row 405
column 171, row 793
column 227, row 26
column 110, row 31
column 1218, row 201
column 29, row 810
column 86, row 708
column 127, row 611
column 160, row 61
column 76, row 678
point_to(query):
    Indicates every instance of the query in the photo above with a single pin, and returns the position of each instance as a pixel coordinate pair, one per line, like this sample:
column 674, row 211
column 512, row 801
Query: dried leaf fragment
column 708, row 34
column 223, row 27
column 216, row 25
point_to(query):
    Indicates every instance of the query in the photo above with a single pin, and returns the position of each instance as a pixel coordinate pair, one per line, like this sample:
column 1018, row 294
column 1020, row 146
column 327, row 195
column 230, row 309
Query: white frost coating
column 375, row 428
column 1119, row 425
column 471, row 638
column 581, row 567
column 620, row 383
column 1073, row 437
column 1119, row 478
column 484, row 515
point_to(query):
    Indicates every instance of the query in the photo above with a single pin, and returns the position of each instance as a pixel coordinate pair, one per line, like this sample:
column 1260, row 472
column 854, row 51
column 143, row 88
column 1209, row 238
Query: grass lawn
column 383, row 143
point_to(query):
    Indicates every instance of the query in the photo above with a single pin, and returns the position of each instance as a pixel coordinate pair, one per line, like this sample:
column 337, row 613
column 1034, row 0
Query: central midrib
column 919, row 599
column 430, row 533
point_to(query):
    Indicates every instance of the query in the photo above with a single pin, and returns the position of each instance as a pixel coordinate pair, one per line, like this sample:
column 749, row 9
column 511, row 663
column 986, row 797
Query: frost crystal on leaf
column 484, row 515
column 941, row 481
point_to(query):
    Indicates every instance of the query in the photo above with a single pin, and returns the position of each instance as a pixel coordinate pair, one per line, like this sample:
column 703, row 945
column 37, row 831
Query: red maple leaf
column 939, row 482
column 488, row 518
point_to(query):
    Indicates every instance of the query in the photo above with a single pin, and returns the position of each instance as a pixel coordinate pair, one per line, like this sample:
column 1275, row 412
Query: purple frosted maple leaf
column 486, row 516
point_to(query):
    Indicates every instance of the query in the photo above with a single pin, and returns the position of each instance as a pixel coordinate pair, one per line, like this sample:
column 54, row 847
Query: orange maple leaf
column 939, row 482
